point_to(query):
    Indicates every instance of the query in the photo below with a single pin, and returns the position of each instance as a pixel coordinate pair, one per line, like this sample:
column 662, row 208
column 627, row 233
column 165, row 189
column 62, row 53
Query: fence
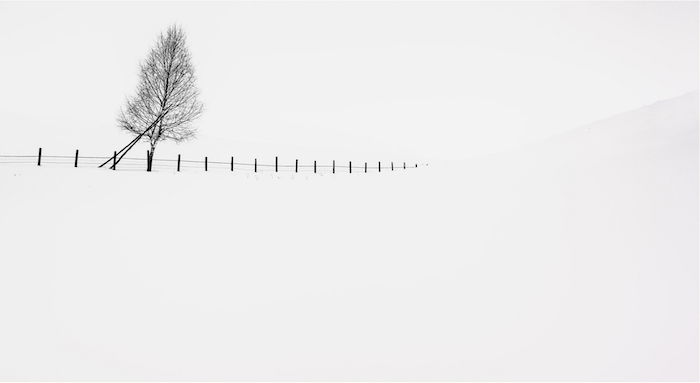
column 180, row 164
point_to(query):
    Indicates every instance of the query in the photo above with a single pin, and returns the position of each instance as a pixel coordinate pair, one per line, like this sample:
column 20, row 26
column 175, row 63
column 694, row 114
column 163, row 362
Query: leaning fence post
column 114, row 161
column 38, row 163
column 75, row 165
column 314, row 166
column 178, row 162
column 256, row 165
column 296, row 166
column 206, row 163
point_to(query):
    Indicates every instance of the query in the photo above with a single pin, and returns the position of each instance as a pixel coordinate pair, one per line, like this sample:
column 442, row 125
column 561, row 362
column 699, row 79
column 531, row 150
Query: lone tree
column 166, row 102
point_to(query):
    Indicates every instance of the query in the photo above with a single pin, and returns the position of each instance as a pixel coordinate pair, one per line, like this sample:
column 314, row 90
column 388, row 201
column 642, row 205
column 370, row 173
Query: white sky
column 338, row 79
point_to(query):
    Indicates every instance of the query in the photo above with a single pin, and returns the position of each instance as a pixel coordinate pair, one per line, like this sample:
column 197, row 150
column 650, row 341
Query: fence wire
column 181, row 164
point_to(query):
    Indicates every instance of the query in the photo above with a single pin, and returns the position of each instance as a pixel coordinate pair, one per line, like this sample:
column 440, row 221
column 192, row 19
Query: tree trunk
column 150, row 159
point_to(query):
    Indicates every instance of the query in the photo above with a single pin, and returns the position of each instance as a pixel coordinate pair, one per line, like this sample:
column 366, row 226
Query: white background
column 386, row 80
column 534, row 246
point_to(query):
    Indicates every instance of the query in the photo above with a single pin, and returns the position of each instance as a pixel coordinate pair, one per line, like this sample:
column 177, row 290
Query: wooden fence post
column 380, row 166
column 296, row 166
column 231, row 163
column 256, row 165
column 365, row 167
column 314, row 166
column 178, row 162
column 350, row 166
column 38, row 163
column 416, row 165
column 206, row 163
column 392, row 166
column 75, row 165
column 275, row 164
column 404, row 165
column 114, row 161
column 333, row 166
column 148, row 160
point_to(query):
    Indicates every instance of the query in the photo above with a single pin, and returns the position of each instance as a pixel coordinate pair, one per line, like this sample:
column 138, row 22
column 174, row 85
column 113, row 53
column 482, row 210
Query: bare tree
column 166, row 102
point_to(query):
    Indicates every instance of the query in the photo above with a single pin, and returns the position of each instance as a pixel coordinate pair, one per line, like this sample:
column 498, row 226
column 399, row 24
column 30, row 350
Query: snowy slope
column 572, row 259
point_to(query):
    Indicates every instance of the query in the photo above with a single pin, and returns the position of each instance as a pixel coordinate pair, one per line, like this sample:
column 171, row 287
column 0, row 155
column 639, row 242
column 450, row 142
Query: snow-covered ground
column 575, row 258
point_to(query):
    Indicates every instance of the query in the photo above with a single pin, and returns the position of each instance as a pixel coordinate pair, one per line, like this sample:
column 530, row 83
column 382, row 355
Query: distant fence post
column 392, row 166
column 296, row 166
column 416, row 165
column 365, row 167
column 148, row 160
column 350, row 166
column 178, row 162
column 379, row 166
column 114, row 161
column 314, row 166
column 334, row 166
column 404, row 165
column 38, row 163
column 256, row 165
column 75, row 165
column 231, row 163
column 206, row 163
column 275, row 164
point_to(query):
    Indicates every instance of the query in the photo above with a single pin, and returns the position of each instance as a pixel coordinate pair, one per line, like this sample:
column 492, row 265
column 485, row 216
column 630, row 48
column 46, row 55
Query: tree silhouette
column 166, row 102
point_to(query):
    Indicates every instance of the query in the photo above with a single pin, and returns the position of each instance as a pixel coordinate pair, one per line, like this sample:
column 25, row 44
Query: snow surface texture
column 576, row 258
